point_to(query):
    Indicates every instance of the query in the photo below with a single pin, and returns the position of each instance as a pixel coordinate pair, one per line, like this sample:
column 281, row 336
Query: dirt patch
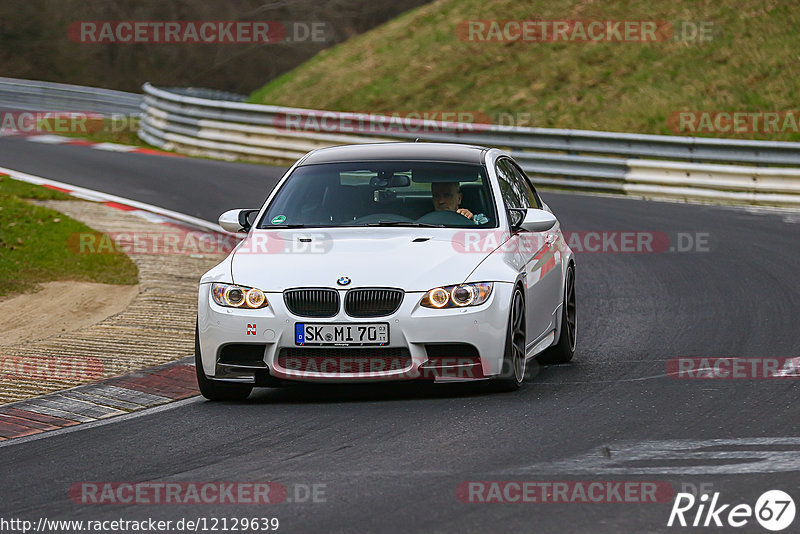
column 155, row 327
column 60, row 307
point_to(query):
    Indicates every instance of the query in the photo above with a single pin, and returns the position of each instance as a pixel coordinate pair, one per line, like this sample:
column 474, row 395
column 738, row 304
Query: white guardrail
column 650, row 166
column 32, row 95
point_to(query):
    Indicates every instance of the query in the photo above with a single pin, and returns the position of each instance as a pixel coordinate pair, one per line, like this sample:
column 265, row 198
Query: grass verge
column 33, row 244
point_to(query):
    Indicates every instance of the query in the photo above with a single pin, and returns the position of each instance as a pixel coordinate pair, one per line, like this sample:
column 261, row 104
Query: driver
column 447, row 197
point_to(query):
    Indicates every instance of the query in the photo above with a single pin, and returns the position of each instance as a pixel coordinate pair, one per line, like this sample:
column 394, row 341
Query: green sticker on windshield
column 278, row 219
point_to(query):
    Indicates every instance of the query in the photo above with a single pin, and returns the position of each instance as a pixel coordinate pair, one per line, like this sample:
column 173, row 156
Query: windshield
column 384, row 193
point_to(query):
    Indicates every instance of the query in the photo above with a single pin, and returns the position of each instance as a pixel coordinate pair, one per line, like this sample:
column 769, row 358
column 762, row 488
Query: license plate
column 341, row 334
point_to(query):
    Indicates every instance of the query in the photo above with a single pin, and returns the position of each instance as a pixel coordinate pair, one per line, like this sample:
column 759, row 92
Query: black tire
column 564, row 349
column 513, row 371
column 212, row 390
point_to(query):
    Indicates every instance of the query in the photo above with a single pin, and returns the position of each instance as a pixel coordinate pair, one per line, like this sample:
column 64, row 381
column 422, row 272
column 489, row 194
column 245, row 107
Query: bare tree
column 34, row 41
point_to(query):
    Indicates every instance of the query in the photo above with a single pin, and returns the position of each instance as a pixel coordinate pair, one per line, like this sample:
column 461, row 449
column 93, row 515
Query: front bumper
column 412, row 327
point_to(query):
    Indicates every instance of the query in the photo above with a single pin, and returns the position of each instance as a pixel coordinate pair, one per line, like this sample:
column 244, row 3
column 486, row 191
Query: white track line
column 91, row 194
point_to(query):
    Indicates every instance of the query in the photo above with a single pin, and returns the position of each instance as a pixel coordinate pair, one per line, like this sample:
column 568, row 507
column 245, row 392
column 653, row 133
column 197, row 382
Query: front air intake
column 372, row 302
column 312, row 302
column 345, row 360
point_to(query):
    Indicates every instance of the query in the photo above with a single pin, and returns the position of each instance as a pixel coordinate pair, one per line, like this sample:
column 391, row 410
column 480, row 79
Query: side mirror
column 534, row 220
column 236, row 220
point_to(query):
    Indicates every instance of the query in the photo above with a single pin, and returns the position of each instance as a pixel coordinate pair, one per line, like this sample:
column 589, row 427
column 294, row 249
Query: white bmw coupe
column 390, row 261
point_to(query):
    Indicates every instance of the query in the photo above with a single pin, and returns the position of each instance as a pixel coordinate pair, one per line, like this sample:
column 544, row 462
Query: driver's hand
column 465, row 212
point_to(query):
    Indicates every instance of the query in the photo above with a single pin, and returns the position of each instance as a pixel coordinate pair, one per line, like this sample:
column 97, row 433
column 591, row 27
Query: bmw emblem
column 343, row 281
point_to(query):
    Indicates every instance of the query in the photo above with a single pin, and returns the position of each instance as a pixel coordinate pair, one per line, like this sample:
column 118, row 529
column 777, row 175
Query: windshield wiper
column 401, row 223
column 271, row 226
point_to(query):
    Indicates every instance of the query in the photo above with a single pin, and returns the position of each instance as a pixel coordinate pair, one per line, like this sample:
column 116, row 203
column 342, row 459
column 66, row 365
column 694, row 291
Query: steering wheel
column 447, row 218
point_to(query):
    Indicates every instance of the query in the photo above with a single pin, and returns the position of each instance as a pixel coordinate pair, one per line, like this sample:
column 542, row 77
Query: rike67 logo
column 774, row 510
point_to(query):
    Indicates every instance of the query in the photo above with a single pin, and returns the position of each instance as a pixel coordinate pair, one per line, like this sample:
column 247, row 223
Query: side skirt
column 538, row 346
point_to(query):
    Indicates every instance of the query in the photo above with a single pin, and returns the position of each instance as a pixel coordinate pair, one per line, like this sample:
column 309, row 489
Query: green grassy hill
column 417, row 62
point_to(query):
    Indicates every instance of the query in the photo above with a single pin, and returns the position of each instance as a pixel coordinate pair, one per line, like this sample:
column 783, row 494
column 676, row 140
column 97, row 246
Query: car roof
column 449, row 152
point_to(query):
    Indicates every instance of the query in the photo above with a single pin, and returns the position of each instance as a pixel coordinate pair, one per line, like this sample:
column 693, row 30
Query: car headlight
column 459, row 296
column 233, row 296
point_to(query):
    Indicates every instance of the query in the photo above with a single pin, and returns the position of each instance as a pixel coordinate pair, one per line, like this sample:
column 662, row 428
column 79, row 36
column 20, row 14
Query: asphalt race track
column 162, row 181
column 390, row 458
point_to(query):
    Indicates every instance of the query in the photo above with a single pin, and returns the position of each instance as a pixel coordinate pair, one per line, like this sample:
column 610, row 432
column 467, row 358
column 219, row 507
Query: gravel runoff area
column 157, row 327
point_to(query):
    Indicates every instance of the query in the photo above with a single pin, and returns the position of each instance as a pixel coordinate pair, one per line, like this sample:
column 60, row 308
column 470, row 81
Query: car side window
column 510, row 188
column 525, row 185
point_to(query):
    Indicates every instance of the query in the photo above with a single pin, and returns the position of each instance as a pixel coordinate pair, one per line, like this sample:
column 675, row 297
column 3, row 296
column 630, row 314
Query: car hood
column 413, row 259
